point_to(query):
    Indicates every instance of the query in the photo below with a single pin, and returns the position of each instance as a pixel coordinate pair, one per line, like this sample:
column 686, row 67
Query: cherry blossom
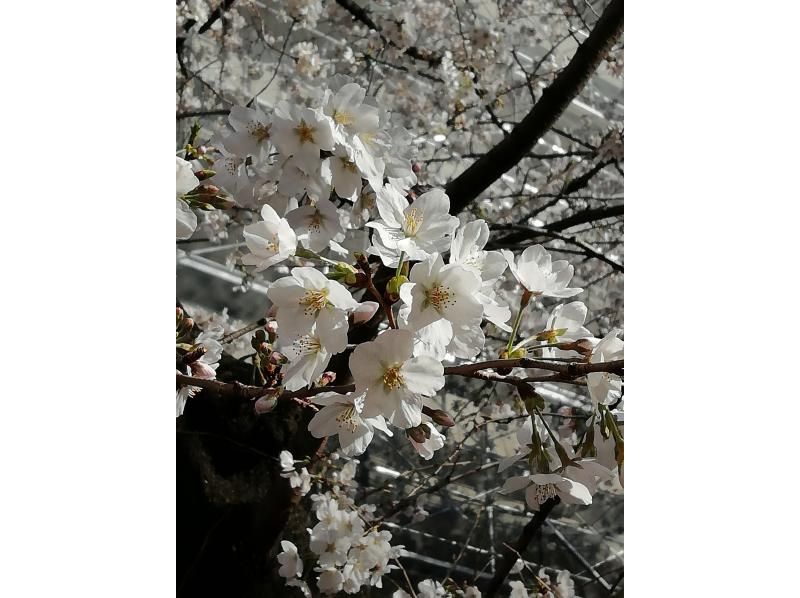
column 436, row 291
column 308, row 297
column 606, row 388
column 252, row 133
column 270, row 240
column 291, row 563
column 539, row 487
column 434, row 441
column 185, row 181
column 309, row 356
column 316, row 224
column 417, row 230
column 302, row 133
column 394, row 380
column 539, row 275
column 342, row 415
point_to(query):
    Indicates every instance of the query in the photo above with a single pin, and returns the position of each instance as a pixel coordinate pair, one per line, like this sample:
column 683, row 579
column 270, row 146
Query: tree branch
column 555, row 99
column 564, row 372
column 585, row 217
column 511, row 554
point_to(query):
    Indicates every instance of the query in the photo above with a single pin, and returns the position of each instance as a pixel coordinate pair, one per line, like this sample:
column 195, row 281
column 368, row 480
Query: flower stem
column 400, row 264
column 526, row 297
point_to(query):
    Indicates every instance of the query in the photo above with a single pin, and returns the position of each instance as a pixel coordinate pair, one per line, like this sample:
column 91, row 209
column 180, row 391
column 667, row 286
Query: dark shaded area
column 232, row 504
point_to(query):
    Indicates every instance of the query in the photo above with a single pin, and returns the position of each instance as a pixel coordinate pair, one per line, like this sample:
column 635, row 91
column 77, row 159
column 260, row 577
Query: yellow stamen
column 413, row 218
column 392, row 378
column 314, row 301
column 305, row 132
column 347, row 418
column 342, row 118
column 440, row 297
column 260, row 131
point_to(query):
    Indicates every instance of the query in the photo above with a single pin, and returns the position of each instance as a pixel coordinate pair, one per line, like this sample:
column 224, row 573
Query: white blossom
column 394, row 380
column 185, row 181
column 539, row 275
column 539, row 487
column 252, row 133
column 270, row 241
column 308, row 297
column 291, row 563
column 418, row 230
column 606, row 388
column 309, row 356
column 342, row 415
column 302, row 133
column 316, row 224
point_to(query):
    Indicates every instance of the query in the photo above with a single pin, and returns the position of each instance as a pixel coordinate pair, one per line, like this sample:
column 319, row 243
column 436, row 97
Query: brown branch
column 555, row 99
column 564, row 373
column 511, row 554
column 573, row 369
column 585, row 217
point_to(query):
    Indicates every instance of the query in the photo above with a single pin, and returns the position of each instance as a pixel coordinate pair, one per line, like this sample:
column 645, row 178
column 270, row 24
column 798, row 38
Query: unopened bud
column 345, row 273
column 194, row 355
column 278, row 358
column 327, row 379
column 441, row 417
column 393, row 286
column 202, row 370
column 272, row 330
column 533, row 401
column 417, row 434
column 204, row 174
column 364, row 312
column 265, row 404
column 416, row 167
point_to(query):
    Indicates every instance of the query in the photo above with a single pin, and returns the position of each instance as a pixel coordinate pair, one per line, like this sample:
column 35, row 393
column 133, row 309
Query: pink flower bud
column 265, row 404
column 364, row 312
column 327, row 379
column 202, row 370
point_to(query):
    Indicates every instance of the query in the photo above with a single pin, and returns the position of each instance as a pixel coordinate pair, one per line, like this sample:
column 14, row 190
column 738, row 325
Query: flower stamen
column 392, row 378
column 305, row 132
column 314, row 301
column 413, row 220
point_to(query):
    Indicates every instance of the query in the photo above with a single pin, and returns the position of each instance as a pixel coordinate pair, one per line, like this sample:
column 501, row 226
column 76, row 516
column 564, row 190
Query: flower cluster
column 332, row 184
column 350, row 551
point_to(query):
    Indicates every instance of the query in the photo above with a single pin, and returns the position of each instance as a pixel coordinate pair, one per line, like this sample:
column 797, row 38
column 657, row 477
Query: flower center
column 315, row 223
column 307, row 345
column 272, row 245
column 314, row 301
column 392, row 378
column 413, row 221
column 259, row 131
column 440, row 297
column 342, row 118
column 305, row 132
column 545, row 492
column 347, row 418
column 348, row 165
